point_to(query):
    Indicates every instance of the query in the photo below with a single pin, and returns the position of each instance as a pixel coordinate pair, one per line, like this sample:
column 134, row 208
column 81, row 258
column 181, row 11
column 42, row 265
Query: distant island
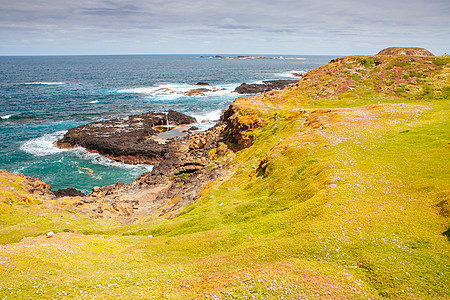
column 240, row 57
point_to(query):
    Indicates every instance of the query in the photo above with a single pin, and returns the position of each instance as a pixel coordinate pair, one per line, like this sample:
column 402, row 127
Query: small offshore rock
column 202, row 83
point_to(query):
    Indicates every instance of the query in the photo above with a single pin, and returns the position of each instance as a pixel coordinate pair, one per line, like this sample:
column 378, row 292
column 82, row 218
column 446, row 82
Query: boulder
column 70, row 192
column 267, row 85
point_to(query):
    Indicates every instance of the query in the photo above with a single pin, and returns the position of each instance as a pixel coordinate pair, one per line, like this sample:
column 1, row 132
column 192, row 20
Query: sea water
column 41, row 97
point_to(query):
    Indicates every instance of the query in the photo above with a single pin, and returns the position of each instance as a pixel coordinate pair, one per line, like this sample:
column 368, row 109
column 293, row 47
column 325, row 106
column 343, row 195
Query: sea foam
column 44, row 145
column 291, row 74
column 45, row 83
column 98, row 159
column 171, row 91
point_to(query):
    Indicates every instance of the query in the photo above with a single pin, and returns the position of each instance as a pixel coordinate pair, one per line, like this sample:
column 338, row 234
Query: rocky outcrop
column 137, row 139
column 256, row 88
column 69, row 192
column 176, row 181
column 405, row 51
column 237, row 129
column 28, row 184
column 186, row 166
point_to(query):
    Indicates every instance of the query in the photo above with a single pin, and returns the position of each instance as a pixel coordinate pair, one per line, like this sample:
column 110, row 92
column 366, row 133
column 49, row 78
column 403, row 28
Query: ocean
column 41, row 97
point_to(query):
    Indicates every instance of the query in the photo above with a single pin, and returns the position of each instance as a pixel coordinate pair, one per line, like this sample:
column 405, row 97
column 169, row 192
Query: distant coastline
column 240, row 57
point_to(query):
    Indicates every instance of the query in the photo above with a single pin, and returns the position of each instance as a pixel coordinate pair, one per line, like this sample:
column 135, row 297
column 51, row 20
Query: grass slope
column 344, row 195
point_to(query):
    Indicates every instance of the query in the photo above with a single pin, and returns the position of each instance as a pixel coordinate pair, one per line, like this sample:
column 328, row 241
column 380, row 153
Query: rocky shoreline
column 136, row 139
column 184, row 159
column 183, row 162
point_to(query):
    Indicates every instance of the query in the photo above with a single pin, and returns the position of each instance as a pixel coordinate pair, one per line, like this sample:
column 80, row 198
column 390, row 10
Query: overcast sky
column 335, row 27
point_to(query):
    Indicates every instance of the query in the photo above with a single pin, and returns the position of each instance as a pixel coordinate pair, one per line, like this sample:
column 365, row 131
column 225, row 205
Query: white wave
column 92, row 102
column 207, row 120
column 258, row 82
column 43, row 145
column 46, row 83
column 295, row 58
column 170, row 91
column 6, row 117
column 162, row 89
column 98, row 159
column 209, row 116
column 292, row 74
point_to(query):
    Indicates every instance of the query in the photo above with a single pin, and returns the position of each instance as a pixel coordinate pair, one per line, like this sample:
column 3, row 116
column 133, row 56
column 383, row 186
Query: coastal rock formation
column 26, row 184
column 188, row 164
column 184, row 167
column 69, row 192
column 267, row 85
column 414, row 51
column 137, row 139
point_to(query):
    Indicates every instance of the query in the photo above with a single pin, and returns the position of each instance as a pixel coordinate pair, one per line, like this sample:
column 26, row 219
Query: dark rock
column 128, row 139
column 202, row 83
column 70, row 192
column 267, row 85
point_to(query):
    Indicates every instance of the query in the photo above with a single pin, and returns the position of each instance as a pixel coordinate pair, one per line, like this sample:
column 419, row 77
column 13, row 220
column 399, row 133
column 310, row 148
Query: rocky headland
column 137, row 139
column 334, row 188
column 184, row 160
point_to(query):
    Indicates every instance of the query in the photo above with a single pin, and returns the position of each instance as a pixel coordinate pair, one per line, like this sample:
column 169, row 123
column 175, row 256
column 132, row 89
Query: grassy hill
column 344, row 194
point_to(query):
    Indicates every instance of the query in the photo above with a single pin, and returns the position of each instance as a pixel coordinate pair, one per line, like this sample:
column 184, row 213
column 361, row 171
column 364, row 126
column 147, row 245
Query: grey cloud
column 291, row 22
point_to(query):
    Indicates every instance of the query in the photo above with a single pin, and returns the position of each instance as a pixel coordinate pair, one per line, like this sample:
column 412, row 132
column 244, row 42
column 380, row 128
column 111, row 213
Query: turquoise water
column 42, row 97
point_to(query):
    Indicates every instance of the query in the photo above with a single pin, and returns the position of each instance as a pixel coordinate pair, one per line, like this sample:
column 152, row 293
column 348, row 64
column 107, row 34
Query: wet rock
column 130, row 139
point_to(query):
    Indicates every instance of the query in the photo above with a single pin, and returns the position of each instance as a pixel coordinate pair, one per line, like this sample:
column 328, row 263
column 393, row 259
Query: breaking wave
column 292, row 74
column 44, row 145
column 170, row 91
column 45, row 83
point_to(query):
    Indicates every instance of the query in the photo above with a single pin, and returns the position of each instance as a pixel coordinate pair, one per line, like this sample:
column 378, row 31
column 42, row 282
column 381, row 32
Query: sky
column 297, row 27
